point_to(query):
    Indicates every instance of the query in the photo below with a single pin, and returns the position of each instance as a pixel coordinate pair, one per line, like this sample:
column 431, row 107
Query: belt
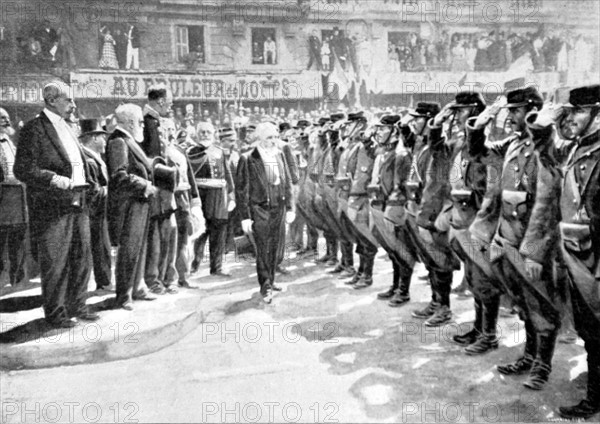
column 359, row 194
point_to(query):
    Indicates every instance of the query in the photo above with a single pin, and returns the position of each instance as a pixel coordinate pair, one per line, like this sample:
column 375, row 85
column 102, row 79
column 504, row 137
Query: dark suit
column 128, row 208
column 98, row 220
column 314, row 47
column 151, row 144
column 258, row 199
column 13, row 217
column 59, row 220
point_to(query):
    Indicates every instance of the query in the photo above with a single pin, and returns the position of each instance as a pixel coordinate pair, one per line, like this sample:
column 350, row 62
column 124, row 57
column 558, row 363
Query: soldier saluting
column 580, row 226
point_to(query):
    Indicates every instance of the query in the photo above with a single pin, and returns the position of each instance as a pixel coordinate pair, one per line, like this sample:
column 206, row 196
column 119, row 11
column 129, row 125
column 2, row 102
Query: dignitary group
column 516, row 206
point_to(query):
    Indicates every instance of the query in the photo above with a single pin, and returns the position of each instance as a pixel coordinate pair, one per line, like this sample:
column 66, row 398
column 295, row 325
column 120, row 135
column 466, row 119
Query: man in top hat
column 13, row 206
column 517, row 223
column 49, row 160
column 216, row 186
column 579, row 228
column 93, row 144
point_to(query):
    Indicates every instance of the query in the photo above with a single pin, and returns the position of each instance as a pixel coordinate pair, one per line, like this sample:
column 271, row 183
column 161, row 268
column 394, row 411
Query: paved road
column 321, row 352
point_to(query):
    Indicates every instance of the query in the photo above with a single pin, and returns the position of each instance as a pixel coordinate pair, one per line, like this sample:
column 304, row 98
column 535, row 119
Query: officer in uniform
column 387, row 201
column 579, row 228
column 522, row 251
column 216, row 187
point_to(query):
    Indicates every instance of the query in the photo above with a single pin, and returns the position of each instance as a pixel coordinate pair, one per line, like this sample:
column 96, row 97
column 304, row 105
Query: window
column 264, row 46
column 190, row 43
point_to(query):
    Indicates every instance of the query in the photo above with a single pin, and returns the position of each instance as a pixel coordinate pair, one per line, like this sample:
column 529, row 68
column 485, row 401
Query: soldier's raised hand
column 444, row 114
column 489, row 114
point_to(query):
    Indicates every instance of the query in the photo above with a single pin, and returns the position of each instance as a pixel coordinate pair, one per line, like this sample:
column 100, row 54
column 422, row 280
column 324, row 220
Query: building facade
column 293, row 52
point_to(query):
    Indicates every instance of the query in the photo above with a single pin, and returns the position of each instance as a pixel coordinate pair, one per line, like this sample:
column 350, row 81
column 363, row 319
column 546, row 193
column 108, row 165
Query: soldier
column 388, row 216
column 579, row 228
column 359, row 169
column 348, row 148
column 325, row 197
column 428, row 189
column 216, row 187
column 300, row 146
column 468, row 177
column 306, row 193
column 519, row 218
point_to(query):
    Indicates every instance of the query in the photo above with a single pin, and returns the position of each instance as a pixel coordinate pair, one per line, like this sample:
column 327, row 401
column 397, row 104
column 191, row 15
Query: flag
column 338, row 77
column 462, row 81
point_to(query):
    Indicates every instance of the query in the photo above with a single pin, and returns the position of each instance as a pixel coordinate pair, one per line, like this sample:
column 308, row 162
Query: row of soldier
column 520, row 213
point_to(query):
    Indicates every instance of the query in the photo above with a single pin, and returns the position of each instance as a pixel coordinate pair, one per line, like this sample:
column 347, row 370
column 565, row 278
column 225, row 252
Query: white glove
column 231, row 206
column 425, row 235
column 150, row 191
column 290, row 216
column 60, row 182
column 247, row 226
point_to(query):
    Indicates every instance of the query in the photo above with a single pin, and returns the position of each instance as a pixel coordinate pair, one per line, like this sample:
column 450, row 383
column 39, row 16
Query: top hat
column 91, row 126
column 588, row 96
column 523, row 97
column 426, row 110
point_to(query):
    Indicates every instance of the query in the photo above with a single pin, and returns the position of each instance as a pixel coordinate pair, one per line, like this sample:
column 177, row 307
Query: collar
column 53, row 117
column 589, row 139
column 4, row 137
column 149, row 110
column 92, row 153
column 265, row 154
column 127, row 133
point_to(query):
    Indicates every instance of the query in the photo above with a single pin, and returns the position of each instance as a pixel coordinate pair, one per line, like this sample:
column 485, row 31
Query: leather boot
column 543, row 364
column 328, row 252
column 524, row 363
column 402, row 294
column 395, row 283
column 367, row 277
column 488, row 340
column 472, row 336
column 357, row 277
column 589, row 406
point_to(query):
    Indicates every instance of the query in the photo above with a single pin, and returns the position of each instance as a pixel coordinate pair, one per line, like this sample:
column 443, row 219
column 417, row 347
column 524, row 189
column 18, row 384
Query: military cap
column 284, row 126
column 389, row 120
column 90, row 126
column 302, row 123
column 468, row 99
column 322, row 121
column 357, row 116
column 587, row 96
column 523, row 97
column 227, row 132
column 336, row 117
column 426, row 110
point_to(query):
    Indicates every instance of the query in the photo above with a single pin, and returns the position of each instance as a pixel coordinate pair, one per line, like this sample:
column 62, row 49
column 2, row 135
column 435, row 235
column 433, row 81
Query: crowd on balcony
column 490, row 51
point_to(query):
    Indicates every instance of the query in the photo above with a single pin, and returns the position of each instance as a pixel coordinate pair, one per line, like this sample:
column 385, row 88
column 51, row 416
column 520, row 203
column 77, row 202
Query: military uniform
column 388, row 216
column 580, row 246
column 359, row 170
column 215, row 184
column 467, row 177
column 526, row 203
